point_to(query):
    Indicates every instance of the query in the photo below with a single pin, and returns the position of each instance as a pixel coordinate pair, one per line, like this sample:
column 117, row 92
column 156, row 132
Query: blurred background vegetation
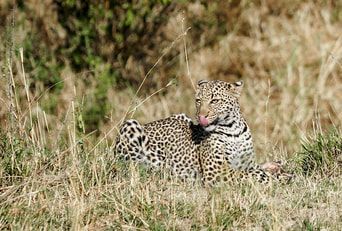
column 93, row 50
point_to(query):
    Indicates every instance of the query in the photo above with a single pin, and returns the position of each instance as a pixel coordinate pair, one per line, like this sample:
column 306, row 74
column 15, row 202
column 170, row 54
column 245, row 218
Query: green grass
column 321, row 154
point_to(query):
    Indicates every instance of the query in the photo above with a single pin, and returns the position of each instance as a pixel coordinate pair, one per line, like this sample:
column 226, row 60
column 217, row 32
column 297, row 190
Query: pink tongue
column 203, row 121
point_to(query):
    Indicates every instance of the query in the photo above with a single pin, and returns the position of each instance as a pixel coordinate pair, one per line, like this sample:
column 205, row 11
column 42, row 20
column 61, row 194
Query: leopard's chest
column 236, row 150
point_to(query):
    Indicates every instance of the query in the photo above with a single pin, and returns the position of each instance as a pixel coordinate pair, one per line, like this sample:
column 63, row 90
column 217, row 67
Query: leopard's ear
column 236, row 88
column 199, row 83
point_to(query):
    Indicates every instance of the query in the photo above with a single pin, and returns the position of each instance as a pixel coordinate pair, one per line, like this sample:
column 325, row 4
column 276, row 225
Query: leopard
column 169, row 143
column 218, row 148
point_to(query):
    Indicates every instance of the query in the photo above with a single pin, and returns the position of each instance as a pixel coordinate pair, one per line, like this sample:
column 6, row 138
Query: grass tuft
column 321, row 154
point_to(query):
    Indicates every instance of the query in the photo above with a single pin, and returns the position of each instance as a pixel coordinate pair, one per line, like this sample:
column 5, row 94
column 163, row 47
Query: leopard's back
column 167, row 143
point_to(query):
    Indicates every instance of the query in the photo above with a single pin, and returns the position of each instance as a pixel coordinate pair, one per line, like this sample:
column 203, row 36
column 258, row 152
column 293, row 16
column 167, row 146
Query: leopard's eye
column 198, row 101
column 213, row 101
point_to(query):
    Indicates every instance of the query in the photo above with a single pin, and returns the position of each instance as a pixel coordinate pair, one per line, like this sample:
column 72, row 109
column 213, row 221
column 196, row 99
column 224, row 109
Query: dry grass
column 54, row 176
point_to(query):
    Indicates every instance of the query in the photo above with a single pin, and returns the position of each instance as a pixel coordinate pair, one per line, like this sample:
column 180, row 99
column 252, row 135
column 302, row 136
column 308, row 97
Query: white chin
column 210, row 128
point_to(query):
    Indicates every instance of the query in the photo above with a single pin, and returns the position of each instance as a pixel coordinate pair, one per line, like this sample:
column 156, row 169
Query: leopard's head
column 217, row 101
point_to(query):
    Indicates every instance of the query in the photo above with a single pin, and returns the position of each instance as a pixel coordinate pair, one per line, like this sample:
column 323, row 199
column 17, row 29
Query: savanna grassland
column 72, row 71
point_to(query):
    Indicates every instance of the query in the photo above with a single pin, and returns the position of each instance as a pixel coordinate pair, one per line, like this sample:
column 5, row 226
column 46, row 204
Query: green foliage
column 14, row 156
column 96, row 105
column 321, row 154
column 108, row 32
column 41, row 63
column 100, row 38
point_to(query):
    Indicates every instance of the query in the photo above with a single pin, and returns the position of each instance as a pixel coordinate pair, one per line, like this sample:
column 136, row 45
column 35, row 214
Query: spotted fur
column 219, row 151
